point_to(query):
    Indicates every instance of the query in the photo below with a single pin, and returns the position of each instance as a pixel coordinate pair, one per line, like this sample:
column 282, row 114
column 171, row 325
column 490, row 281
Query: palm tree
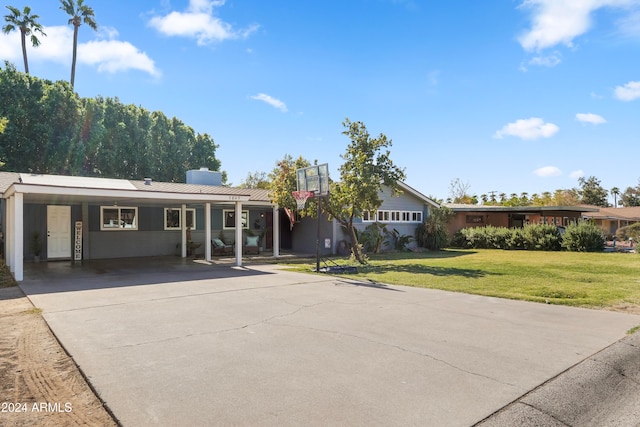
column 28, row 25
column 614, row 192
column 79, row 13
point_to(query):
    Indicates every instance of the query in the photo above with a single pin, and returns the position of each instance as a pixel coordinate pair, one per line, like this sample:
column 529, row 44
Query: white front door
column 58, row 232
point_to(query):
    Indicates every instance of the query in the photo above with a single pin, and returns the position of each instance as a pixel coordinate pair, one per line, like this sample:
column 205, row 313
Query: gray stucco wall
column 151, row 239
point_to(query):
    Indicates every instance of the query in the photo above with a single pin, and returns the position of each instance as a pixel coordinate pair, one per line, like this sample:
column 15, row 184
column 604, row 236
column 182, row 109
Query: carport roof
column 58, row 183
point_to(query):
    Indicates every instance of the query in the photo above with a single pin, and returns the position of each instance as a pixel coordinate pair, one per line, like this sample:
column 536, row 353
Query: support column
column 183, row 226
column 18, row 232
column 207, row 231
column 9, row 238
column 276, row 232
column 239, row 241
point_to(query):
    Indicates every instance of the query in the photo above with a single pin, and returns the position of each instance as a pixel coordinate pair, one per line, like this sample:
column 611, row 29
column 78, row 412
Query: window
column 118, row 218
column 230, row 219
column 392, row 216
column 475, row 219
column 172, row 219
column 383, row 216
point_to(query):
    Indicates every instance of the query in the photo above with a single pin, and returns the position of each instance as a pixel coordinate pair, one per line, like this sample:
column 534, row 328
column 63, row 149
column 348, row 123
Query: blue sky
column 506, row 95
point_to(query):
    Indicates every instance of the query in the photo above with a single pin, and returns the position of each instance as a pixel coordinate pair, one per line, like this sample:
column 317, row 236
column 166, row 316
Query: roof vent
column 147, row 181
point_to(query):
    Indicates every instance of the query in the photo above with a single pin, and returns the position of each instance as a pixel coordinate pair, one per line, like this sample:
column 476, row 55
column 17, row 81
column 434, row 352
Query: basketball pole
column 318, row 235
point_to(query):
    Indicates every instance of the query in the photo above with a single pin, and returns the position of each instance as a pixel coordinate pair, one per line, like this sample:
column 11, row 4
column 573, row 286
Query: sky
column 507, row 96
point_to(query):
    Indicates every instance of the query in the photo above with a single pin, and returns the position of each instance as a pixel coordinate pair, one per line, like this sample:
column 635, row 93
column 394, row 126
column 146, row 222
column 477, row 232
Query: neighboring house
column 92, row 218
column 610, row 219
column 404, row 213
column 513, row 216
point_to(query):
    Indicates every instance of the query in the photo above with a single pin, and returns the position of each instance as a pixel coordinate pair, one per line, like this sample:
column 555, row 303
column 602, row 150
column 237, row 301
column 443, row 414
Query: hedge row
column 581, row 237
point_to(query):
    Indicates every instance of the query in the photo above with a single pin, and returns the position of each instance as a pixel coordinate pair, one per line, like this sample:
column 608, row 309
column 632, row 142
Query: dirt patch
column 40, row 385
column 626, row 308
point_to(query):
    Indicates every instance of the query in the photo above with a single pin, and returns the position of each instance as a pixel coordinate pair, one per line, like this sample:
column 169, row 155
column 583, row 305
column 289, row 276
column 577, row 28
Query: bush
column 629, row 231
column 584, row 236
column 398, row 241
column 541, row 237
column 538, row 237
column 432, row 233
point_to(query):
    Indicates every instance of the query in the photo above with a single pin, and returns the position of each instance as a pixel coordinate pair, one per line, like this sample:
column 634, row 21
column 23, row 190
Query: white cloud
column 271, row 101
column 547, row 171
column 108, row 55
column 547, row 61
column 198, row 22
column 628, row 92
column 561, row 21
column 577, row 174
column 590, row 118
column 113, row 56
column 529, row 129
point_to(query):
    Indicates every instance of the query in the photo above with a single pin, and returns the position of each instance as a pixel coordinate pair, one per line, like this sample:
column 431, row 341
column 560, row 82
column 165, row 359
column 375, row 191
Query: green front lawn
column 596, row 280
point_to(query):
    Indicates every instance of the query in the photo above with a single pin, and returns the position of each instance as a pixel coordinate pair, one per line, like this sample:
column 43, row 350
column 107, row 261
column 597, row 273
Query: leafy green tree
column 256, row 180
column 592, row 193
column 28, row 26
column 631, row 196
column 283, row 181
column 366, row 169
column 3, row 123
column 79, row 13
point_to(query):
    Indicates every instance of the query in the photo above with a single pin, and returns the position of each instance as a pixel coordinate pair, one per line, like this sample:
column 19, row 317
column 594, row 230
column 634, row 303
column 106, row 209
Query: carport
column 71, row 213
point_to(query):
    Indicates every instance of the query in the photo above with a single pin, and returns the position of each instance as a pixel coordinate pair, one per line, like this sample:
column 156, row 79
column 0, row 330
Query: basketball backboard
column 314, row 178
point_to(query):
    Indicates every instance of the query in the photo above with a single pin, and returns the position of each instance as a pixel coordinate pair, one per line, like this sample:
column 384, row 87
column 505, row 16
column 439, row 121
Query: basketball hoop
column 301, row 198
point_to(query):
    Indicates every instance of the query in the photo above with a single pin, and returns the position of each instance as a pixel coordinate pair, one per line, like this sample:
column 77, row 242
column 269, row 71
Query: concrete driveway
column 173, row 343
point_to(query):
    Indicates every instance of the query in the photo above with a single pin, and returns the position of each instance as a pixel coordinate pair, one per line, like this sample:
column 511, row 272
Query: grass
column 594, row 280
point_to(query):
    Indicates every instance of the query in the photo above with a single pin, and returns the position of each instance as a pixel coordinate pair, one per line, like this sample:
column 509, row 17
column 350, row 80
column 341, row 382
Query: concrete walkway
column 174, row 343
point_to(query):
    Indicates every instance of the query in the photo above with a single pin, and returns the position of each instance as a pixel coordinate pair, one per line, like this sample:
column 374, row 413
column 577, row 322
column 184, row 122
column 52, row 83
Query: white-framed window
column 383, row 216
column 118, row 218
column 229, row 219
column 172, row 218
column 392, row 216
column 368, row 216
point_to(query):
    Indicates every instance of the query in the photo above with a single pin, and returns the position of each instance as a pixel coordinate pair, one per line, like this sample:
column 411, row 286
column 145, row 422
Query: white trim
column 179, row 226
column 207, row 231
column 123, row 194
column 116, row 227
column 225, row 212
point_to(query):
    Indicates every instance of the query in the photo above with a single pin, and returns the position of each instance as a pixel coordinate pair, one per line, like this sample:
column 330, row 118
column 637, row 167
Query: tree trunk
column 355, row 246
column 75, row 48
column 24, row 50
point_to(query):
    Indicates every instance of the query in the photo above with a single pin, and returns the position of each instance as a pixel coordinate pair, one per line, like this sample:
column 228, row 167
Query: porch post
column 9, row 238
column 207, row 231
column 276, row 232
column 183, row 226
column 18, row 232
column 239, row 243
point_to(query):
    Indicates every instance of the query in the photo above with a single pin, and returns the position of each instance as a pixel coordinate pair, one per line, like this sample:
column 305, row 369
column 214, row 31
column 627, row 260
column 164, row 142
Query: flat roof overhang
column 73, row 195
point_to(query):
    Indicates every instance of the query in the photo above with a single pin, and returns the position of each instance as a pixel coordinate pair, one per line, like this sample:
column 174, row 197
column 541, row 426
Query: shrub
column 539, row 237
column 373, row 237
column 433, row 234
column 584, row 236
column 633, row 231
column 398, row 241
column 542, row 237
